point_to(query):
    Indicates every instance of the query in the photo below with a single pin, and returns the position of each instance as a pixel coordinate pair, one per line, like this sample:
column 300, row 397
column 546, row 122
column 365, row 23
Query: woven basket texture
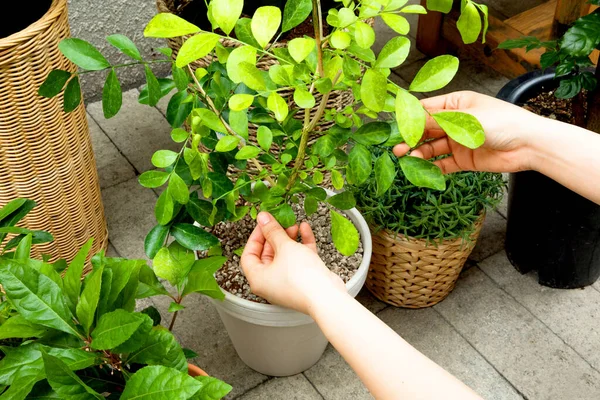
column 45, row 154
column 413, row 273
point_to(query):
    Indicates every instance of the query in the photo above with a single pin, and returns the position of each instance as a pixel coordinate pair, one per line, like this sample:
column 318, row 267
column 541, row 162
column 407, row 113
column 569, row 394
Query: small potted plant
column 565, row 255
column 422, row 236
column 229, row 179
column 82, row 338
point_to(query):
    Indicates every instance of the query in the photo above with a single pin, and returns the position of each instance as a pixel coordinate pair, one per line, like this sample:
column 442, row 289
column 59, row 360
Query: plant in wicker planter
column 423, row 236
column 81, row 338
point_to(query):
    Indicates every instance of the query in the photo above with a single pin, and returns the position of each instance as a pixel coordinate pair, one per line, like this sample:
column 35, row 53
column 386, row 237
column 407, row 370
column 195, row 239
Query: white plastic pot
column 277, row 341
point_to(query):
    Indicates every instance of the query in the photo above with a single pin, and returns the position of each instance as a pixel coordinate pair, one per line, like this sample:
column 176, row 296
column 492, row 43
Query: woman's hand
column 283, row 271
column 510, row 132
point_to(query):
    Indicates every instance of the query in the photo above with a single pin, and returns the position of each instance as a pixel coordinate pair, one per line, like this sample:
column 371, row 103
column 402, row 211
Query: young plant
column 83, row 338
column 238, row 172
column 10, row 215
column 570, row 55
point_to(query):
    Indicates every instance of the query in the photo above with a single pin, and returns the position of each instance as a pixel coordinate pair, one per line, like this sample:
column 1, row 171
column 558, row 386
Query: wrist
column 323, row 298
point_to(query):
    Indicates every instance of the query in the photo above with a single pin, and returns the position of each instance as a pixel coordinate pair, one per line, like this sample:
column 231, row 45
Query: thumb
column 272, row 231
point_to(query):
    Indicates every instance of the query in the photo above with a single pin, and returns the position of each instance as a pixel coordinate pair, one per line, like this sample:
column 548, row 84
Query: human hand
column 510, row 133
column 283, row 271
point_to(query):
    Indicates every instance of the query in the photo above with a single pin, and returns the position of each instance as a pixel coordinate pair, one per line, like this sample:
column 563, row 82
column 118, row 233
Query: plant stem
column 173, row 321
column 318, row 27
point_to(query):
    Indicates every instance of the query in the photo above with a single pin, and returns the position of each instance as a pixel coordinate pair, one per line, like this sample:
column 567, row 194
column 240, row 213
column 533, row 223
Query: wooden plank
column 429, row 33
column 536, row 21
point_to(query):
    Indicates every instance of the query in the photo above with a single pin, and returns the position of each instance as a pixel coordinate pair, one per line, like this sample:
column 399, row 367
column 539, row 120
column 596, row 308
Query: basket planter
column 277, row 341
column 45, row 154
column 414, row 273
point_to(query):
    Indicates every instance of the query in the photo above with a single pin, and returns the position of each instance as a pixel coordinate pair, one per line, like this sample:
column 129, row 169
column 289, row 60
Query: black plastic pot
column 21, row 15
column 550, row 229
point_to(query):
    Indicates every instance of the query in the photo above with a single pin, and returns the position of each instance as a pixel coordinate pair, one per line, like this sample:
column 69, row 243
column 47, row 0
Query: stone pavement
column 499, row 331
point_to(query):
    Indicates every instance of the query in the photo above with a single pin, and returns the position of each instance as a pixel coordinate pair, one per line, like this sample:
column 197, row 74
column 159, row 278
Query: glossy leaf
column 265, row 23
column 469, row 23
column 164, row 158
column 112, row 96
column 372, row 133
column 155, row 240
column 373, row 90
column 364, row 34
column 64, row 381
column 243, row 31
column 88, row 302
column 300, row 48
column 344, row 234
column 239, row 102
column 178, row 189
column 226, row 13
column 435, row 74
column 303, row 98
column 153, row 179
column 583, row 37
column 196, row 47
column 239, row 55
column 462, row 128
column 264, row 137
column 83, row 54
column 440, row 5
column 163, row 211
column 227, row 143
column 295, row 12
column 168, row 25
column 394, row 53
column 251, row 76
column 423, row 173
column 160, row 382
column 125, row 44
column 72, row 95
column 385, row 172
column 247, row 152
column 397, row 22
column 193, row 237
column 343, row 201
column 201, row 277
column 410, row 116
column 54, row 83
column 114, row 328
column 340, row 40
column 154, row 91
column 360, row 164
column 278, row 106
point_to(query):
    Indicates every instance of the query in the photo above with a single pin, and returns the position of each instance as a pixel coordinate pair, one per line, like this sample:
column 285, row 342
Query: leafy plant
column 288, row 155
column 84, row 339
column 425, row 213
column 10, row 215
column 570, row 55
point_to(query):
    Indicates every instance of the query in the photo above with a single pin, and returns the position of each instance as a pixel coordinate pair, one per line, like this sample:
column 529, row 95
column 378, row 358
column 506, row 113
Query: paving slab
column 111, row 251
column 129, row 211
column 526, row 352
column 369, row 301
column 112, row 167
column 574, row 315
column 138, row 130
column 429, row 333
column 491, row 239
column 295, row 387
column 199, row 328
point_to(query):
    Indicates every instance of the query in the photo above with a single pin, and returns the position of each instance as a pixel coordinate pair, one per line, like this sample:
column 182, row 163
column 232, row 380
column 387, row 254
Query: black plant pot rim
column 520, row 89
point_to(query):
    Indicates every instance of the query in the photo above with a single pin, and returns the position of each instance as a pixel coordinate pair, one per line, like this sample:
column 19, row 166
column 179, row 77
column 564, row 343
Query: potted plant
column 81, row 338
column 422, row 237
column 566, row 254
column 230, row 178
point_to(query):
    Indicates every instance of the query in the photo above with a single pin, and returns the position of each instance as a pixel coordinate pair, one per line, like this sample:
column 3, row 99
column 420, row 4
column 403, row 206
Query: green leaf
column 469, row 23
column 72, row 95
column 64, row 381
column 414, row 9
column 397, row 22
column 156, row 239
column 247, row 152
column 163, row 211
column 251, row 76
column 179, row 135
column 226, row 13
column 173, row 307
column 193, row 237
column 180, row 77
column 284, row 214
column 160, row 348
column 373, row 90
column 88, row 302
column 340, row 40
column 300, row 48
column 410, row 116
column 239, row 102
column 239, row 123
column 583, row 37
column 344, row 234
column 303, row 98
column 360, row 164
column 83, row 54
column 462, row 128
column 220, row 183
column 160, row 382
column 136, row 341
column 72, row 279
column 435, row 74
column 364, row 34
column 264, row 137
column 393, row 53
column 167, row 25
column 265, row 23
column 154, row 91
column 423, row 173
column 294, row 13
column 18, row 327
column 212, row 388
column 278, row 106
column 149, row 284
column 486, row 24
column 178, row 189
column 196, row 47
column 54, row 83
column 153, row 179
column 114, row 328
column 372, row 133
column 337, row 179
column 125, row 44
column 200, row 210
column 201, row 277
column 439, row 5
column 174, row 262
column 346, row 17
column 343, row 201
column 210, row 119
column 227, row 143
column 177, row 110
column 311, row 205
column 112, row 96
column 166, row 85
column 36, row 297
column 243, row 31
column 242, row 54
column 23, row 250
column 164, row 158
column 385, row 172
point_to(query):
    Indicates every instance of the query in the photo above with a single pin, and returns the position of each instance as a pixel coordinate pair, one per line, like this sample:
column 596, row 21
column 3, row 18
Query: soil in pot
column 21, row 15
column 547, row 105
column 235, row 235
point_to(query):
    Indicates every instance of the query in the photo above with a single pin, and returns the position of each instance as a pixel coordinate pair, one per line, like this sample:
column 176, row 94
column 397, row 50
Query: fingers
column 274, row 233
column 308, row 237
column 402, row 149
column 292, row 232
column 448, row 165
column 435, row 148
column 451, row 101
column 252, row 255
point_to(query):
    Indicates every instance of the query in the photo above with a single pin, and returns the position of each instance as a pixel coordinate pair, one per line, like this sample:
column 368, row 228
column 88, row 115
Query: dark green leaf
column 343, row 201
column 159, row 382
column 193, row 237
column 83, row 54
column 221, row 184
column 72, row 95
column 155, row 240
column 385, row 172
column 72, row 280
column 112, row 96
column 18, row 327
column 344, row 234
column 285, row 215
column 64, row 382
column 177, row 111
column 200, row 210
column 311, row 205
column 166, row 86
column 568, row 88
column 201, row 278
column 372, row 133
column 125, row 44
column 88, row 302
column 153, row 179
column 439, row 5
column 360, row 164
column 114, row 328
column 423, row 173
column 154, row 91
column 525, row 41
column 583, row 37
column 160, row 348
column 243, row 32
column 294, row 13
column 154, row 314
column 54, row 83
column 178, row 189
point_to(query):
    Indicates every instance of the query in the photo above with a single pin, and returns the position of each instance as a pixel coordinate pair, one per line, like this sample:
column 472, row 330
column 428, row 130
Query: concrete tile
column 429, row 333
column 138, row 130
column 111, row 251
column 369, row 301
column 334, row 378
column 574, row 315
column 129, row 211
column 113, row 168
column 295, row 387
column 491, row 239
column 164, row 103
column 536, row 361
column 199, row 328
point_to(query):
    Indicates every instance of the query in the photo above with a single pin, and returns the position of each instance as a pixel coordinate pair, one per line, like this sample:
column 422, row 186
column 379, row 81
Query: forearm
column 388, row 366
column 570, row 155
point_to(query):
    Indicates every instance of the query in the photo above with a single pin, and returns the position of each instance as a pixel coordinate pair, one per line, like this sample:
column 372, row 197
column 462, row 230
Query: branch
column 318, row 27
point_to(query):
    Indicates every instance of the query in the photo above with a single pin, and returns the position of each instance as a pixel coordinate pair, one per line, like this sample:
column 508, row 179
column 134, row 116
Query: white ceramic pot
column 277, row 341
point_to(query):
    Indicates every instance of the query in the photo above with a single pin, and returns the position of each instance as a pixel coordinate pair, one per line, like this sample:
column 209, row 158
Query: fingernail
column 263, row 218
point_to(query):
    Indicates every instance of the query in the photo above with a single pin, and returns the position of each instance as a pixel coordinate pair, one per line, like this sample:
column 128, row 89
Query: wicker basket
column 45, row 154
column 413, row 273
